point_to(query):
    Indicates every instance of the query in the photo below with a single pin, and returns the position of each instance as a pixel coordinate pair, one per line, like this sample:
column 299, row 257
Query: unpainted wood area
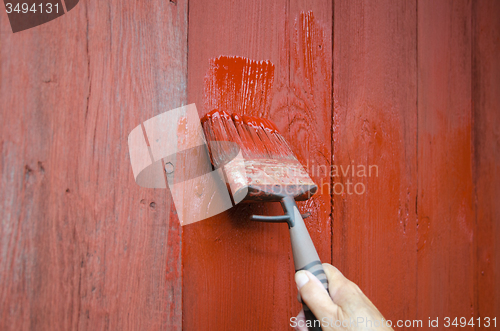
column 82, row 247
column 407, row 87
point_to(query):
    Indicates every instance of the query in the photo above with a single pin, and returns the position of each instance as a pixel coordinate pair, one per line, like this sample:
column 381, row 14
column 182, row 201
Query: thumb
column 314, row 295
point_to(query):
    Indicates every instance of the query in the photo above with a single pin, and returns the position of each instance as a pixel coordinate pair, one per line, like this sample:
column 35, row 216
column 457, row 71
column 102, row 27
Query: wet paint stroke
column 311, row 64
column 309, row 118
column 239, row 85
column 243, row 86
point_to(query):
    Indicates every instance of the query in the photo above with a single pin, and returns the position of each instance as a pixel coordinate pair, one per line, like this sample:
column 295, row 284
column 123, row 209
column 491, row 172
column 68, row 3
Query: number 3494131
column 35, row 8
column 463, row 322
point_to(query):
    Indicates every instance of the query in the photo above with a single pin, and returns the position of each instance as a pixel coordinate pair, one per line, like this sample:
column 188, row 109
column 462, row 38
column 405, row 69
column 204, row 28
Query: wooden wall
column 411, row 87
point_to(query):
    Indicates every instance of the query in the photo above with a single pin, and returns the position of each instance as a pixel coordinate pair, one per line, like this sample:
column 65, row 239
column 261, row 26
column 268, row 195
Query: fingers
column 342, row 291
column 333, row 274
column 335, row 279
column 314, row 295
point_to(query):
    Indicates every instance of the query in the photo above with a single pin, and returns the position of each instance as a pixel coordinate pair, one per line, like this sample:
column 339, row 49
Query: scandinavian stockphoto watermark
column 170, row 150
column 340, row 179
column 347, row 178
column 337, row 179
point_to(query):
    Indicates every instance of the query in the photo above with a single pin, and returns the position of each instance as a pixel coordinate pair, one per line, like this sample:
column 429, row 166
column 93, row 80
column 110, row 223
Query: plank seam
column 416, row 158
column 475, row 259
column 332, row 200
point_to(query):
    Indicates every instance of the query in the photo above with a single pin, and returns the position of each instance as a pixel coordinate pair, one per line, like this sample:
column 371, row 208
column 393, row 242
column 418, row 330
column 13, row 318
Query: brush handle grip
column 305, row 256
column 317, row 270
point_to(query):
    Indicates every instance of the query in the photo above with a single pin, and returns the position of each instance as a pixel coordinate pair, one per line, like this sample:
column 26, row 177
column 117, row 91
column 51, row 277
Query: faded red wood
column 81, row 245
column 239, row 274
column 486, row 158
column 374, row 119
column 445, row 208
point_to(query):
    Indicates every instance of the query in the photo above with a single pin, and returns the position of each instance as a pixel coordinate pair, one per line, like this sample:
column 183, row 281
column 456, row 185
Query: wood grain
column 309, row 108
column 445, row 204
column 410, row 87
column 374, row 124
column 230, row 263
column 486, row 158
column 81, row 245
column 238, row 275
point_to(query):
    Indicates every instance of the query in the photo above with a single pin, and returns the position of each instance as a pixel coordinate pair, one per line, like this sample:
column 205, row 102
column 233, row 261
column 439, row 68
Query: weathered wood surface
column 81, row 245
column 237, row 274
column 411, row 87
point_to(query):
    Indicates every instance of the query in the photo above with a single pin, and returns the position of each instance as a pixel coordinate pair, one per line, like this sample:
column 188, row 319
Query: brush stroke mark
column 239, row 85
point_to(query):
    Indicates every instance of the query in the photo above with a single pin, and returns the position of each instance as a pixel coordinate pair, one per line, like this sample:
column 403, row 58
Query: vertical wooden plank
column 238, row 274
column 445, row 189
column 235, row 272
column 374, row 124
column 81, row 245
column 486, row 119
column 309, row 110
column 229, row 262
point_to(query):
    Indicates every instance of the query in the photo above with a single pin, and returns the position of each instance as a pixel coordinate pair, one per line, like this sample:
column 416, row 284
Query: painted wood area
column 486, row 158
column 82, row 247
column 375, row 125
column 445, row 261
column 413, row 100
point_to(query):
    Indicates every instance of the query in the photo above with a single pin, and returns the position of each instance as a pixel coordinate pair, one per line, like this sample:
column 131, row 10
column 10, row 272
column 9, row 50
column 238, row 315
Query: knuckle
column 354, row 286
column 331, row 268
column 332, row 272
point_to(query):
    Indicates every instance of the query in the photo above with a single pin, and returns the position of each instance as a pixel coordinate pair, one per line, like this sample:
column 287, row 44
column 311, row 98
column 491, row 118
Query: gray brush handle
column 305, row 256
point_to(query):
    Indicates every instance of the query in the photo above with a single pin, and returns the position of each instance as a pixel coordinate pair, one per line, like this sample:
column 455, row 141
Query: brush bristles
column 257, row 138
column 218, row 130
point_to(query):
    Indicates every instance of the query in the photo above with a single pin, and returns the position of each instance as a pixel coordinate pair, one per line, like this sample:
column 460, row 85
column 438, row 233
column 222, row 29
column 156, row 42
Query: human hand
column 345, row 303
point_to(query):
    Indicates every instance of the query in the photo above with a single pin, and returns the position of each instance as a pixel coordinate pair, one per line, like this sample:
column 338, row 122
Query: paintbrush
column 270, row 172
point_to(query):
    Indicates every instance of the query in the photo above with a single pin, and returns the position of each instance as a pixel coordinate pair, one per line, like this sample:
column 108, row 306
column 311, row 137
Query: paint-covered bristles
column 257, row 138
